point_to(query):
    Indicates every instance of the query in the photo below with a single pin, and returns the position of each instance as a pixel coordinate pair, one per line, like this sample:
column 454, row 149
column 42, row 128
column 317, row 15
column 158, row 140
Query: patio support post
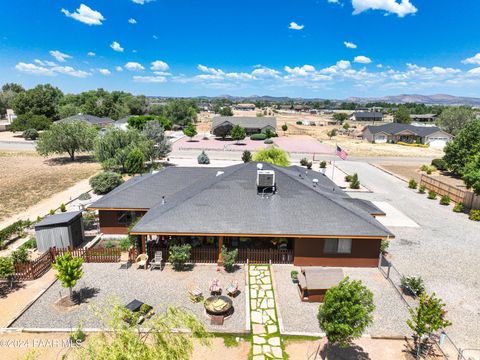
column 220, row 245
column 144, row 244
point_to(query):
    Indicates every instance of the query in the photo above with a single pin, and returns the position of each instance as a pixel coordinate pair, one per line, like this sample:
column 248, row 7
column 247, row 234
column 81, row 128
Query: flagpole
column 333, row 164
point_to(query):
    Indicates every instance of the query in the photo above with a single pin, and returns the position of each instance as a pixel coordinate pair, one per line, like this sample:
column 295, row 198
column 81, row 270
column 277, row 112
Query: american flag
column 342, row 154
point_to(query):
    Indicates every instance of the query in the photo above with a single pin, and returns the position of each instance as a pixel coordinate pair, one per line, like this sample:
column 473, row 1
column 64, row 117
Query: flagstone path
column 266, row 340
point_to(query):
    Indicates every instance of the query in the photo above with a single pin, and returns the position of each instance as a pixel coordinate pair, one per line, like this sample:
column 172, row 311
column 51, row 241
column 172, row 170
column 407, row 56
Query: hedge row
column 15, row 228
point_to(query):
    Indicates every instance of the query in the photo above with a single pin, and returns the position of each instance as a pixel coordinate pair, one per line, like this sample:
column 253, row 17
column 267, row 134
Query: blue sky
column 307, row 48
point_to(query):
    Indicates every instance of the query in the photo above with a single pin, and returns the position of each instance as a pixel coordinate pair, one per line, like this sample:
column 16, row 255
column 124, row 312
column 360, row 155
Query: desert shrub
column 135, row 162
column 458, row 207
column 412, row 145
column 20, row 255
column 298, row 122
column 203, row 158
column 303, row 161
column 229, row 258
column 51, row 212
column 269, row 133
column 30, row 134
column 439, row 164
column 179, row 255
column 355, row 183
column 323, row 164
column 445, row 200
column 412, row 184
column 84, row 197
column 268, row 141
column 309, row 165
column 78, row 336
column 384, row 244
column 474, row 215
column 246, row 156
column 413, row 284
column 105, row 182
column 63, row 208
column 432, row 195
column 428, row 169
column 422, row 189
column 258, row 137
column 348, row 178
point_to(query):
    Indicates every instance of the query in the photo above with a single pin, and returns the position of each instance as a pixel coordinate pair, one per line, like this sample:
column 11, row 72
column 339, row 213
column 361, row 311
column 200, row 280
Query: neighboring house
column 394, row 132
column 252, row 125
column 423, row 118
column 366, row 116
column 10, row 116
column 94, row 120
column 123, row 122
column 250, row 207
column 247, row 107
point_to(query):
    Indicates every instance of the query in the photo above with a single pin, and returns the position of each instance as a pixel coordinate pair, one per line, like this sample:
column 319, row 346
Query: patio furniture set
column 142, row 260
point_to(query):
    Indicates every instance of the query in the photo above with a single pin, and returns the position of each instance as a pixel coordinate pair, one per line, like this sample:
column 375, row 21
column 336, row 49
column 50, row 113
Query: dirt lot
column 27, row 178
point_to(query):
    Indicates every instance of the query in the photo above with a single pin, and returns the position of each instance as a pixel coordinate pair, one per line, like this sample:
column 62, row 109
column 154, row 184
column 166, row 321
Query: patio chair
column 124, row 259
column 195, row 294
column 215, row 288
column 142, row 260
column 232, row 289
column 157, row 261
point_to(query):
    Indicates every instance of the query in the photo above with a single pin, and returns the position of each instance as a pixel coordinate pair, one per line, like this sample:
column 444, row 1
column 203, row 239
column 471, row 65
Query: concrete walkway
column 266, row 340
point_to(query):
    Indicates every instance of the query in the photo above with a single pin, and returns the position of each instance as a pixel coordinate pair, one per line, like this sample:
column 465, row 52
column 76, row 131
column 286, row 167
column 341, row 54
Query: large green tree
column 238, row 133
column 402, row 115
column 340, row 117
column 70, row 138
column 41, row 100
column 30, row 121
column 180, row 111
column 463, row 148
column 346, row 311
column 161, row 144
column 471, row 174
column 7, row 96
column 454, row 119
column 272, row 155
column 226, row 111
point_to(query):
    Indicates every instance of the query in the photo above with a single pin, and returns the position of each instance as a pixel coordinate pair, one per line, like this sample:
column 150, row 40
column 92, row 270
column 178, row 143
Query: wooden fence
column 468, row 198
column 33, row 269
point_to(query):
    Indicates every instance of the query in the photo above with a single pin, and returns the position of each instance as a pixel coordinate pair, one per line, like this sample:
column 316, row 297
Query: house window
column 337, row 246
column 125, row 217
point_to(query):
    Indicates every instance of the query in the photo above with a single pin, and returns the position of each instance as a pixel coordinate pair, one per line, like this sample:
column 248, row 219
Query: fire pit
column 219, row 306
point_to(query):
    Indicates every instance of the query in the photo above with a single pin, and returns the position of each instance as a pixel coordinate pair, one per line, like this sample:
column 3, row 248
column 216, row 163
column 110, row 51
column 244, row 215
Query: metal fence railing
column 442, row 342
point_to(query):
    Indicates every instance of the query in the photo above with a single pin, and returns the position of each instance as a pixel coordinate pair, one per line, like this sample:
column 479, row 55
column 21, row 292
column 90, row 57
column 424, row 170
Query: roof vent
column 315, row 182
column 219, row 173
column 259, row 166
column 163, row 200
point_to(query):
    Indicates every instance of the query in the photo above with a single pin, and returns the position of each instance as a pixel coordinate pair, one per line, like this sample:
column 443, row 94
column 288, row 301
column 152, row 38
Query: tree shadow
column 352, row 352
column 427, row 350
column 65, row 160
column 6, row 289
column 84, row 295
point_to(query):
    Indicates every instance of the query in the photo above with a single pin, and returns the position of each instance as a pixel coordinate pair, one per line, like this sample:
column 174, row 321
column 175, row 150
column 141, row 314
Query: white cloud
column 159, row 65
column 132, row 21
column 116, row 46
column 39, row 62
column 68, row 70
column 134, row 66
column 104, row 71
column 155, row 37
column 59, row 56
column 142, row 2
column 402, row 8
column 33, row 69
column 149, row 79
column 379, row 66
column 51, row 70
column 349, row 45
column 265, row 72
column 362, row 59
column 118, row 68
column 333, row 1
column 300, row 71
column 294, row 26
column 210, row 70
column 472, row 60
column 91, row 53
column 474, row 71
column 85, row 15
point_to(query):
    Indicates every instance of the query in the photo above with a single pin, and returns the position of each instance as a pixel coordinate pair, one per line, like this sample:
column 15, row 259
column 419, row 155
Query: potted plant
column 294, row 276
column 412, row 285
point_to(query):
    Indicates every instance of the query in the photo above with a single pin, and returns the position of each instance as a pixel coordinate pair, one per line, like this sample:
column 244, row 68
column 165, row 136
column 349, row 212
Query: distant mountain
column 437, row 99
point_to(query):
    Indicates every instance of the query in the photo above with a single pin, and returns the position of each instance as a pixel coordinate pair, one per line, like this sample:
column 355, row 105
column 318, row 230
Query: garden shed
column 60, row 230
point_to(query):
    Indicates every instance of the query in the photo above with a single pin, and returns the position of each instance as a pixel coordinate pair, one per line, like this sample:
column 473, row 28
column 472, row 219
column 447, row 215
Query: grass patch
column 293, row 338
column 230, row 340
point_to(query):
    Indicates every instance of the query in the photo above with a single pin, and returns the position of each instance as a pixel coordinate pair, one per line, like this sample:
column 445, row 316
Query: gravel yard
column 156, row 288
column 298, row 316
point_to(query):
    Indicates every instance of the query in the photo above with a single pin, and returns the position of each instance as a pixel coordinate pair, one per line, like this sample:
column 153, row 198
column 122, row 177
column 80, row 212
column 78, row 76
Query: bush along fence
column 13, row 231
column 457, row 195
column 442, row 341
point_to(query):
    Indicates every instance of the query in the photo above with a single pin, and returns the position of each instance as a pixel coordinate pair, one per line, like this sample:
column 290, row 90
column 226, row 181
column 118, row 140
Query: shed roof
column 59, row 219
column 247, row 122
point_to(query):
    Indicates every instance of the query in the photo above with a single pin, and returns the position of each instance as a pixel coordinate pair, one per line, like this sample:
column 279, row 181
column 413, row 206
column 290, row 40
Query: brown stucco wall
column 309, row 252
column 109, row 222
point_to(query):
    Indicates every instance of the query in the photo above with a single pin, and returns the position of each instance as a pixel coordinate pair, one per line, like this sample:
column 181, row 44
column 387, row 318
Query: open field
column 27, row 178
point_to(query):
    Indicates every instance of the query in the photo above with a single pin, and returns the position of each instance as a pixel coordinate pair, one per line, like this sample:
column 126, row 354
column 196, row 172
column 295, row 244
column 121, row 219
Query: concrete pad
column 394, row 216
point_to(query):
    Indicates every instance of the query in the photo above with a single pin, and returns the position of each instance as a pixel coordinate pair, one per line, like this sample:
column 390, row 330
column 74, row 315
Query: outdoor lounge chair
column 215, row 288
column 232, row 289
column 124, row 259
column 195, row 294
column 157, row 261
column 142, row 260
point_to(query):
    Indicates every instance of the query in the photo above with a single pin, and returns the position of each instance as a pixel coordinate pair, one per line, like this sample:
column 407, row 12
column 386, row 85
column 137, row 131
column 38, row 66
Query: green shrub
column 309, row 165
column 63, row 207
column 203, row 158
column 294, row 275
column 413, row 284
column 428, row 169
column 269, row 133
column 474, row 215
column 355, row 183
column 412, row 184
column 348, row 178
column 303, row 161
column 432, row 195
column 458, row 208
column 422, row 189
column 84, row 197
column 105, row 182
column 298, row 122
column 17, row 228
column 439, row 164
column 229, row 258
column 268, row 141
column 179, row 255
column 135, row 162
column 145, row 309
column 6, row 268
column 260, row 136
column 384, row 244
column 323, row 164
column 30, row 134
column 30, row 121
column 246, row 156
column 78, row 336
column 51, row 212
column 125, row 244
column 30, row 244
column 109, row 245
column 20, row 255
column 445, row 200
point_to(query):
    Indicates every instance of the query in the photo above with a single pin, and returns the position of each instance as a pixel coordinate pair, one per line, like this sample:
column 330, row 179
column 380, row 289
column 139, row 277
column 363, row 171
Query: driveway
column 444, row 250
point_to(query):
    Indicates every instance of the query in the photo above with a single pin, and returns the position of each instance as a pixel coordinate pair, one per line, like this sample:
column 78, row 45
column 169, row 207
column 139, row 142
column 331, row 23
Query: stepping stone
column 257, row 349
column 272, row 329
column 253, row 294
column 261, row 294
column 258, row 329
column 254, row 272
column 269, row 294
column 259, row 357
column 277, row 352
column 271, row 303
column 266, row 349
column 271, row 313
column 275, row 341
column 257, row 340
column 264, row 304
column 257, row 317
column 266, row 287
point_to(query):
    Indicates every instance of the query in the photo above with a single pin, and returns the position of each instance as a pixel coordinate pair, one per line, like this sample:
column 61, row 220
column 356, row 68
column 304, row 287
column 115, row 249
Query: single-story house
column 366, row 116
column 94, row 120
column 252, row 125
column 247, row 107
column 423, row 118
column 253, row 207
column 123, row 122
column 394, row 132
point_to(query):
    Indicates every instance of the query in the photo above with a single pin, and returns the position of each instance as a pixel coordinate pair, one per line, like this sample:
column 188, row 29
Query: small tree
column 426, row 318
column 355, row 183
column 284, row 128
column 228, row 258
column 179, row 255
column 135, row 162
column 7, row 270
column 190, row 130
column 63, row 208
column 332, row 133
column 105, row 182
column 238, row 133
column 246, row 156
column 67, row 138
column 69, row 270
column 346, row 126
column 346, row 311
column 340, row 117
column 203, row 158
column 272, row 155
column 226, row 111
column 30, row 134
